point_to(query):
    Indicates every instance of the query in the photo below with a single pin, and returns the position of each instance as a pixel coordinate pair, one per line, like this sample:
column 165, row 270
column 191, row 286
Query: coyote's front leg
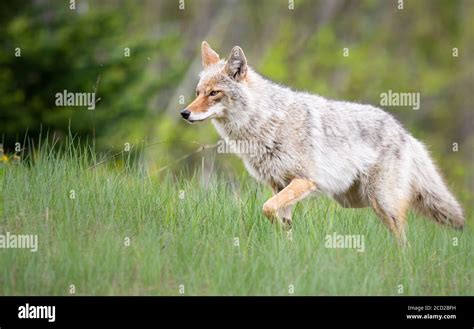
column 279, row 206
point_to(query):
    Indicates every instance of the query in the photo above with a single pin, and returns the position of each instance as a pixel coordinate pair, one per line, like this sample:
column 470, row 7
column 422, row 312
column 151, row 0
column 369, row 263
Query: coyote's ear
column 209, row 56
column 236, row 66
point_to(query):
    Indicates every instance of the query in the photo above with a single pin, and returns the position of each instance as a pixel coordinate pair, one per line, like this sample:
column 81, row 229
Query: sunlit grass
column 183, row 232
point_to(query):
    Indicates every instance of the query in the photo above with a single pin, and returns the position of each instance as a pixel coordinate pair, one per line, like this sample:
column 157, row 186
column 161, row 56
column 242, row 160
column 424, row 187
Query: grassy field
column 184, row 232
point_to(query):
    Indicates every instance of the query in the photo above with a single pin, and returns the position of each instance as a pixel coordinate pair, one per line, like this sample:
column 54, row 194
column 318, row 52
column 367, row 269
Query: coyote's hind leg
column 389, row 191
column 393, row 218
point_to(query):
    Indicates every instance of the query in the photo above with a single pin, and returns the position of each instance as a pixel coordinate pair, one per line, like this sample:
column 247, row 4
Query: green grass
column 190, row 240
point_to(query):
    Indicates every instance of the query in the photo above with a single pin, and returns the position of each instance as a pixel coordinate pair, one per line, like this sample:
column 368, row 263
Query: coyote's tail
column 431, row 196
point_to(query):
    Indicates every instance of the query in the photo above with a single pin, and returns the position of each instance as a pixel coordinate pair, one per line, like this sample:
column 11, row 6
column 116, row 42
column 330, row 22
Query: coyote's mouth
column 194, row 121
column 191, row 120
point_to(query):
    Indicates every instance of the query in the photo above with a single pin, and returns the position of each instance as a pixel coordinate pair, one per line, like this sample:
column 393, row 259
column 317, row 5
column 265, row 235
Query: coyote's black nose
column 185, row 113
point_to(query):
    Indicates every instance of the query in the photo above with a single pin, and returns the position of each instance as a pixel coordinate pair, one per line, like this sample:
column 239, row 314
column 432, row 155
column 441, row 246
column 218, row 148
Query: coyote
column 357, row 154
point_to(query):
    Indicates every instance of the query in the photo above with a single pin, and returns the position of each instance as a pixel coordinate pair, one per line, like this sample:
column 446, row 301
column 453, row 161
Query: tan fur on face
column 203, row 102
column 200, row 105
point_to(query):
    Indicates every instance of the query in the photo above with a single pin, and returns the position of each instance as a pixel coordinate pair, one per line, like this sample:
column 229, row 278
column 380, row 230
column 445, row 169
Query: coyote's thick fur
column 357, row 154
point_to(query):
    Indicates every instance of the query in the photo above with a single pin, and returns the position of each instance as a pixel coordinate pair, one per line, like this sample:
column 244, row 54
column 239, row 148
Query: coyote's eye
column 213, row 93
column 197, row 93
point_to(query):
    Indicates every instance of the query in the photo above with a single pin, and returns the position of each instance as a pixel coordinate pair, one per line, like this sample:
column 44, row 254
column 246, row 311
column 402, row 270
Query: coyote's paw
column 270, row 211
column 286, row 223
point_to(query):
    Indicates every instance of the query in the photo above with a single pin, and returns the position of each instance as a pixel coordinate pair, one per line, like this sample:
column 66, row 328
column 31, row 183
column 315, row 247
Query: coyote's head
column 221, row 88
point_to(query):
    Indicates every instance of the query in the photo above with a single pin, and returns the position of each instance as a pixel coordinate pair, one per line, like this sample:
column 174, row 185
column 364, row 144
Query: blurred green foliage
column 81, row 50
column 404, row 50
